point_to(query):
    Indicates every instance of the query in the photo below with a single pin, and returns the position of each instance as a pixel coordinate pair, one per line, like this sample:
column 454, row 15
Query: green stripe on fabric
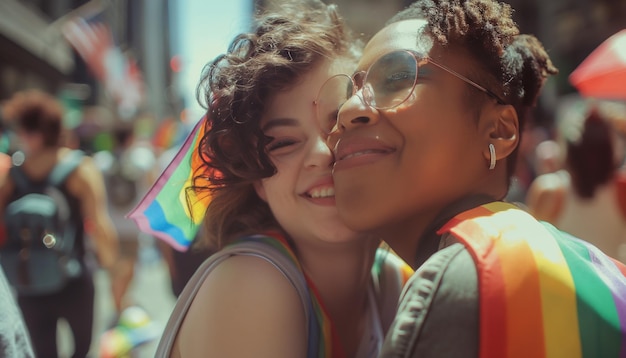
column 594, row 299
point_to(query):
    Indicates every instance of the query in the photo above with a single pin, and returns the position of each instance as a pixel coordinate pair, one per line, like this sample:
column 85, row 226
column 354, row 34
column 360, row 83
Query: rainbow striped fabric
column 170, row 210
column 543, row 293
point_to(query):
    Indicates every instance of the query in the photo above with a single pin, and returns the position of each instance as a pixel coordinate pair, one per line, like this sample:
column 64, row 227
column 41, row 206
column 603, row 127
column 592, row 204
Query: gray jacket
column 438, row 311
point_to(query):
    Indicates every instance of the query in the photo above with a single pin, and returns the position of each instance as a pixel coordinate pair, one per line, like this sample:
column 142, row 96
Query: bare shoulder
column 548, row 182
column 245, row 308
column 546, row 196
column 87, row 169
column 86, row 177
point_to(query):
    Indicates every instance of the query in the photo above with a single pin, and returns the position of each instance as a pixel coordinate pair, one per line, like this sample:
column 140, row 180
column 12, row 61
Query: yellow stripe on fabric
column 558, row 293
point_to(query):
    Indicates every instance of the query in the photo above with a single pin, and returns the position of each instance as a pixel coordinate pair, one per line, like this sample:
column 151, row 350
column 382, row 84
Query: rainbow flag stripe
column 171, row 210
column 543, row 293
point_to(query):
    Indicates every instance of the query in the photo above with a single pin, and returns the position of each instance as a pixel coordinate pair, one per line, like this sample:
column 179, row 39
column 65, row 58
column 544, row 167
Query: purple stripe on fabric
column 615, row 280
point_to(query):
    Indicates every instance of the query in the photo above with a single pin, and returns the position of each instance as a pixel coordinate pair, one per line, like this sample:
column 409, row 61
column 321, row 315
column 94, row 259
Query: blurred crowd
column 121, row 161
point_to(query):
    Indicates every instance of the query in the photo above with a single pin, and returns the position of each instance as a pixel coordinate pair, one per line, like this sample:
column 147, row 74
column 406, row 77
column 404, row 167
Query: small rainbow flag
column 171, row 210
column 543, row 292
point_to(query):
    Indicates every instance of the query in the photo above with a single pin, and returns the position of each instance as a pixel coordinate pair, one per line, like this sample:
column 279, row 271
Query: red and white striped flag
column 93, row 40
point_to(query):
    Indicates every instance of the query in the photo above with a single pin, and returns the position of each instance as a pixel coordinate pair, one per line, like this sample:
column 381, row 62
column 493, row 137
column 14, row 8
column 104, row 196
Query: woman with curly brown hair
column 269, row 174
column 425, row 146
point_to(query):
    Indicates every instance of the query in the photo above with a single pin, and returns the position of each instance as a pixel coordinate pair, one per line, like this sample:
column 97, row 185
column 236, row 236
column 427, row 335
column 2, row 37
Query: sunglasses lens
column 333, row 94
column 390, row 80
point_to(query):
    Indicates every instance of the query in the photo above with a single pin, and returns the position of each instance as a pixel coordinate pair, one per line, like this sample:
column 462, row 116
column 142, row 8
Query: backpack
column 39, row 255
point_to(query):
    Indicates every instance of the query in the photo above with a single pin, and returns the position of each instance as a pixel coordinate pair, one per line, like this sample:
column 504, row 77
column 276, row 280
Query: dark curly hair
column 235, row 87
column 514, row 66
column 36, row 112
column 590, row 155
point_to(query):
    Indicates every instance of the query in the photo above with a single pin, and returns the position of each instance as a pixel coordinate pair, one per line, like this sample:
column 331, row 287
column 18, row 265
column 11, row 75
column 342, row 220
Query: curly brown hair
column 36, row 112
column 235, row 87
column 514, row 66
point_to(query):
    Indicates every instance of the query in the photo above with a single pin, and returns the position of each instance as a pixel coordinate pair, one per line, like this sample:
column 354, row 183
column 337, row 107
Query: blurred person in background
column 37, row 119
column 128, row 172
column 582, row 198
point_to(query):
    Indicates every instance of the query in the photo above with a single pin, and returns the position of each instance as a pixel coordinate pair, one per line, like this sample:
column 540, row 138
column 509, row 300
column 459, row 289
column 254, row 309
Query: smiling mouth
column 364, row 152
column 318, row 193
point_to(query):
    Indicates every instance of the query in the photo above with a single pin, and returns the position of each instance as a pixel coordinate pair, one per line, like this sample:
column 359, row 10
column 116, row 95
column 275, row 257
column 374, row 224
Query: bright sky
column 206, row 28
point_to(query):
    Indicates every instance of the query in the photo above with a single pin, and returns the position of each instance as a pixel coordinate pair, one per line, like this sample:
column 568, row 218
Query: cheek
column 280, row 187
column 440, row 154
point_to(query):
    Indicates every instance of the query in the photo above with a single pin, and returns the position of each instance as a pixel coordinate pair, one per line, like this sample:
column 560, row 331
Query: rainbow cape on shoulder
column 543, row 293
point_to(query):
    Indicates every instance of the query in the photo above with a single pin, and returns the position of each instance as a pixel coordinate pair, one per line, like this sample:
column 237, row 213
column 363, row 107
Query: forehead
column 296, row 101
column 401, row 35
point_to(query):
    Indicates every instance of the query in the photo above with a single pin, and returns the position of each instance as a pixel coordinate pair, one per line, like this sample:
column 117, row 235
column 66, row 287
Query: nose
column 320, row 155
column 355, row 112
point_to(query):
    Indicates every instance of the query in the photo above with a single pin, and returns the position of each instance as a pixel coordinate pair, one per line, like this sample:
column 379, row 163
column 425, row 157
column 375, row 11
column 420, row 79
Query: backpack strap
column 65, row 167
column 56, row 177
column 21, row 181
column 250, row 248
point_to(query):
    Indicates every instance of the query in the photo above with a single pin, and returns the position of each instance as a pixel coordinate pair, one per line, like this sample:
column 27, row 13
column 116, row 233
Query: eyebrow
column 277, row 122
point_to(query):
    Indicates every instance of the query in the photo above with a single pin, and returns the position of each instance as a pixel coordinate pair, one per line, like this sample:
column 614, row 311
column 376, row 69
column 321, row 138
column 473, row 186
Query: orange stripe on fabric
column 521, row 284
column 524, row 331
column 511, row 317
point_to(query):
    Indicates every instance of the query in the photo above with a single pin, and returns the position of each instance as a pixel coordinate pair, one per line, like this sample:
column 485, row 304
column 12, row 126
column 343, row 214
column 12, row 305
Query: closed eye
column 280, row 143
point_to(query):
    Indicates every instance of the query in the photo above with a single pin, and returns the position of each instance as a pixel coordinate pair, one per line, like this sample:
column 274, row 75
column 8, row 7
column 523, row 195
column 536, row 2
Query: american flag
column 93, row 40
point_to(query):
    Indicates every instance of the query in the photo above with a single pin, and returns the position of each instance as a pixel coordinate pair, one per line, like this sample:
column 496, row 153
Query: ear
column 260, row 190
column 502, row 130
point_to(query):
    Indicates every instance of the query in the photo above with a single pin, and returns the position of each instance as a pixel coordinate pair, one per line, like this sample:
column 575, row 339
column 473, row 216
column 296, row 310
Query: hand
column 121, row 275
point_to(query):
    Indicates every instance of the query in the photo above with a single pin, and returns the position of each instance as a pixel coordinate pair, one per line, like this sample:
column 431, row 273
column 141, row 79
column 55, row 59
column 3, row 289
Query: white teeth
column 361, row 153
column 322, row 193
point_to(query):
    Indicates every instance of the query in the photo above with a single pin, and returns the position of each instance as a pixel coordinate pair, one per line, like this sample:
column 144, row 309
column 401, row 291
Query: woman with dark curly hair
column 425, row 146
column 269, row 174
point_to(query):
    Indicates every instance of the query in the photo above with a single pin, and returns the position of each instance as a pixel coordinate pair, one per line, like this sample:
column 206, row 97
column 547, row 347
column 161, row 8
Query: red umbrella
column 603, row 73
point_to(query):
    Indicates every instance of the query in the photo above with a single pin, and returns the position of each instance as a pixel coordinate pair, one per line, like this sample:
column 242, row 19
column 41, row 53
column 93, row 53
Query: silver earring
column 492, row 156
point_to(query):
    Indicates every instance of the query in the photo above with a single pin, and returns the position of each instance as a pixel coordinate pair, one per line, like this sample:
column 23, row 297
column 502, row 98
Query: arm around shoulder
column 245, row 308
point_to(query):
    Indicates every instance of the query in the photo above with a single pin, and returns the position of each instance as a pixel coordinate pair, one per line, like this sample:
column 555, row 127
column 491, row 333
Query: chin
column 358, row 214
column 359, row 220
